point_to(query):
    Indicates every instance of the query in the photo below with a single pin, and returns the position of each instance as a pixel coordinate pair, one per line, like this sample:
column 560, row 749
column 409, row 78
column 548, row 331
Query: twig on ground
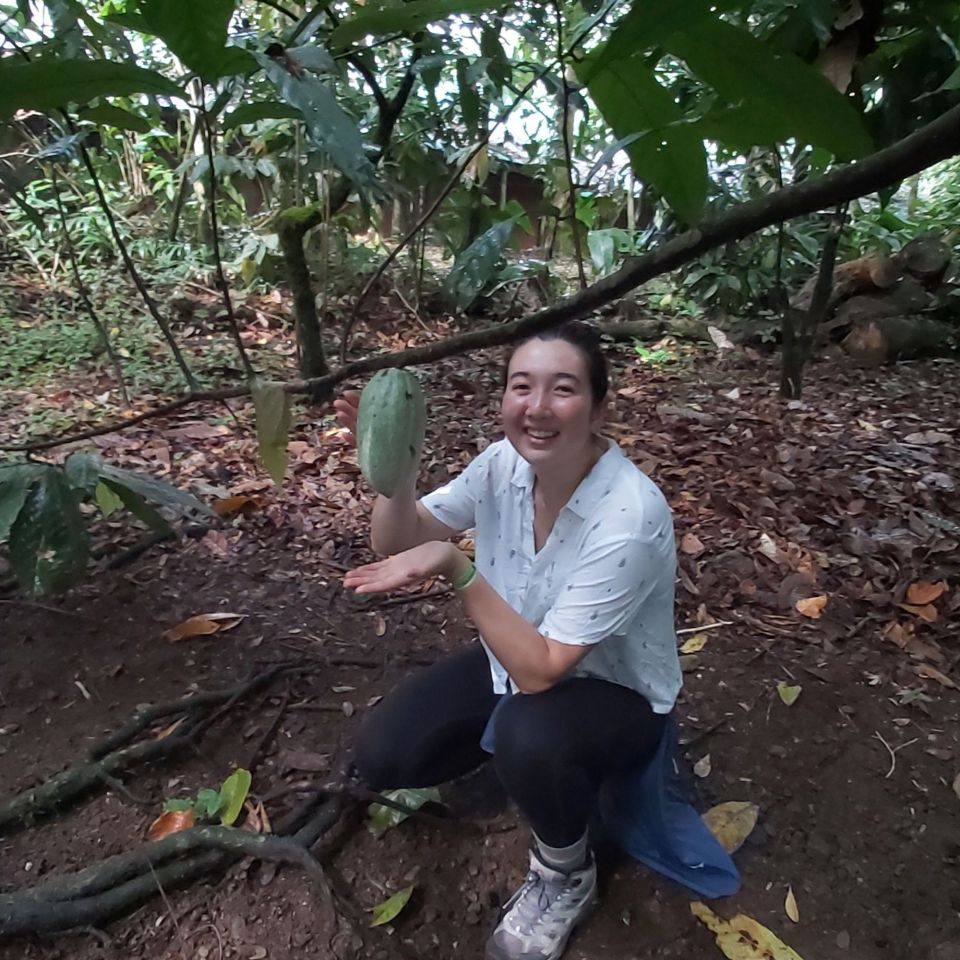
column 707, row 626
column 119, row 787
column 213, row 927
column 357, row 792
column 43, row 606
column 170, row 911
column 434, row 594
column 892, row 751
column 703, row 734
column 261, row 748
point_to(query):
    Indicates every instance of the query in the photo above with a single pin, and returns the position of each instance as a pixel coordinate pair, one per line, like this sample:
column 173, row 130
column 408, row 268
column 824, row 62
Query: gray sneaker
column 538, row 919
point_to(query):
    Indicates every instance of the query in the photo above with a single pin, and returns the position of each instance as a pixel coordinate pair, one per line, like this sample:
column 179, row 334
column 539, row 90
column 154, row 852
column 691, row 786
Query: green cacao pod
column 391, row 424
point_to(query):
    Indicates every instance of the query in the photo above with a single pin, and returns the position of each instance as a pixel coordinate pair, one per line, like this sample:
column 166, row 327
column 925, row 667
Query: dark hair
column 585, row 338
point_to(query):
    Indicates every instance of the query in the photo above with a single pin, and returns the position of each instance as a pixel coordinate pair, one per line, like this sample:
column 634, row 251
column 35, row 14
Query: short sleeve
column 607, row 586
column 455, row 503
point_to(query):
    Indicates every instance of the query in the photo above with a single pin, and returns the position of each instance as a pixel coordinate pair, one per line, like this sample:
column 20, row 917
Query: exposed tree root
column 116, row 754
column 102, row 891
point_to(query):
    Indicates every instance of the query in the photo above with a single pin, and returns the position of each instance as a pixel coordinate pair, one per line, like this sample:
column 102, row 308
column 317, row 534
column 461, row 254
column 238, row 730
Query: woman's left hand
column 430, row 559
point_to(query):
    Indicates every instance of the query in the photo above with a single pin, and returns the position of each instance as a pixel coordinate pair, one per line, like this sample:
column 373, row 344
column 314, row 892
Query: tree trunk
column 799, row 330
column 311, row 357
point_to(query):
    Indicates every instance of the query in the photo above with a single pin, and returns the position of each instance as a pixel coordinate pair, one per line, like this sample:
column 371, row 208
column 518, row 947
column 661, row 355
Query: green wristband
column 467, row 577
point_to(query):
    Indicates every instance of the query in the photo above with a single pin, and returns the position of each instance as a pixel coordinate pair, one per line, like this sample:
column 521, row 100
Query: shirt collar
column 591, row 487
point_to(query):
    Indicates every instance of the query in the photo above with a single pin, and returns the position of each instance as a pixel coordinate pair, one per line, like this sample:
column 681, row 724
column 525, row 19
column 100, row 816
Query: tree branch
column 82, row 290
column 456, row 177
column 931, row 143
column 222, row 284
column 372, row 83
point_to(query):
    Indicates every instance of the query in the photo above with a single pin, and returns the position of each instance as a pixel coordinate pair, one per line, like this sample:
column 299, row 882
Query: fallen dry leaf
column 690, row 544
column 788, row 693
column 743, row 938
column 256, row 820
column 921, row 593
column 720, row 338
column 695, row 644
column 769, row 549
column 932, row 673
column 204, row 624
column 732, row 822
column 898, row 634
column 165, row 732
column 790, row 906
column 174, row 821
column 811, row 607
column 927, row 612
column 229, row 505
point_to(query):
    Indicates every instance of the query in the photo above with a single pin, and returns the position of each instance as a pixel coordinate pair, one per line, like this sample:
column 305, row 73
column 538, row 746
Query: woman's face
column 547, row 408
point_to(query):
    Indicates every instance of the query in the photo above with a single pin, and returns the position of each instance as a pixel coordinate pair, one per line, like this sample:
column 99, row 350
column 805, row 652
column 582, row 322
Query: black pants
column 552, row 749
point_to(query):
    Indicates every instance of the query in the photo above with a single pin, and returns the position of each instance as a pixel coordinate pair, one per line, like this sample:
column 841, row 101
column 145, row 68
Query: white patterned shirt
column 605, row 576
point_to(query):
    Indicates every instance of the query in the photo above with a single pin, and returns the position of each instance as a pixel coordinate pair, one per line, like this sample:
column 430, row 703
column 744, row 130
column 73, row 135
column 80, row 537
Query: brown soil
column 868, row 840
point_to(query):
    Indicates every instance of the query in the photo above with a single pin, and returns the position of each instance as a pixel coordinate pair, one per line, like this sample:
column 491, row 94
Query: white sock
column 564, row 859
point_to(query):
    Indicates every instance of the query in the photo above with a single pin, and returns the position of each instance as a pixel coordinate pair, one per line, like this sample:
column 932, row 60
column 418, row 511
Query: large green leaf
column 744, row 125
column 670, row 154
column 47, row 84
column 111, row 116
column 741, row 68
column 380, row 18
column 157, row 492
column 476, row 265
column 499, row 69
column 328, row 125
column 272, row 405
column 265, row 110
column 15, row 482
column 48, row 540
column 469, row 98
column 646, row 25
column 197, row 34
column 136, row 503
column 83, row 471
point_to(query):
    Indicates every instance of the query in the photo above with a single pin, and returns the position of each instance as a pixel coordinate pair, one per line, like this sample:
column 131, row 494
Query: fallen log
column 887, row 339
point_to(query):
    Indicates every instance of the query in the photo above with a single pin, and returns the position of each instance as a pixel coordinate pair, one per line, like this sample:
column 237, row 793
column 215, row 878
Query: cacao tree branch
column 567, row 151
column 933, row 142
column 82, row 290
column 222, row 284
column 800, row 327
column 368, row 75
column 131, row 267
column 450, row 185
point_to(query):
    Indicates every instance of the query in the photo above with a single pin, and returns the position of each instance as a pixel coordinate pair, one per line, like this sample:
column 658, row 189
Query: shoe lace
column 536, row 899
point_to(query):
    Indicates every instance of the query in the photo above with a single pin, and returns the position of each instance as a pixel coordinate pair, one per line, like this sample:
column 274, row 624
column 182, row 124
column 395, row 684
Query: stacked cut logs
column 899, row 307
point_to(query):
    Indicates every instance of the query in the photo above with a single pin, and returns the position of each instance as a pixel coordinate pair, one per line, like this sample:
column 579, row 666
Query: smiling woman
column 572, row 596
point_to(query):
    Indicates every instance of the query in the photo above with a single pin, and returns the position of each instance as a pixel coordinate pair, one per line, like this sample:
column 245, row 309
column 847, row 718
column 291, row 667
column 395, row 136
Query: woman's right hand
column 347, row 407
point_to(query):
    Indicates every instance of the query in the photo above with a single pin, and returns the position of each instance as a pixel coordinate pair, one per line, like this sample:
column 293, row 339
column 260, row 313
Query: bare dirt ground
column 849, row 496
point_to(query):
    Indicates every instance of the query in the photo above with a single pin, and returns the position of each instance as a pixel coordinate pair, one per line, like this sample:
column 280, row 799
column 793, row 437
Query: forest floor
column 846, row 504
